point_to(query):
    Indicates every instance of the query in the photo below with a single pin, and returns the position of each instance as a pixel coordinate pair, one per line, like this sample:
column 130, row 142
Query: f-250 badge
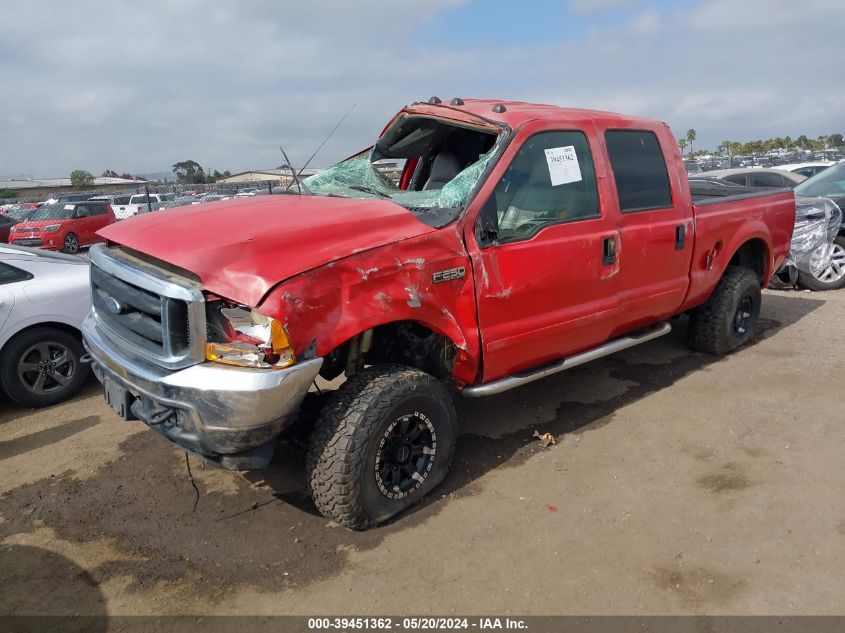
column 448, row 275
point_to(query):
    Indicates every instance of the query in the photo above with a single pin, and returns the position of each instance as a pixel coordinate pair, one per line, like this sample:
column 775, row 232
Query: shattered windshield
column 357, row 177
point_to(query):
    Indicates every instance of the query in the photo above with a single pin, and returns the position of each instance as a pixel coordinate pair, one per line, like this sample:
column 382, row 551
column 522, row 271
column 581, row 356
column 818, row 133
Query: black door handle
column 680, row 237
column 608, row 251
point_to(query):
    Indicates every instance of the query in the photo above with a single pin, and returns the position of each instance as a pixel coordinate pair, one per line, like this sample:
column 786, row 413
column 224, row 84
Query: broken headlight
column 246, row 338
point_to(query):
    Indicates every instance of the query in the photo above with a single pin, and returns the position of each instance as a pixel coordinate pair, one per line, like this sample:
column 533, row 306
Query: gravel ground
column 680, row 483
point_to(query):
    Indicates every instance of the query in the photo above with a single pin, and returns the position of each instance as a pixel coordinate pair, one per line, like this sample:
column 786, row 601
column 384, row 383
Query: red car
column 64, row 227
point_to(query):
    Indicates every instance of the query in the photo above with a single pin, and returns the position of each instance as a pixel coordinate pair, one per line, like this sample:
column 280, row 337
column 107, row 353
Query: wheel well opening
column 64, row 327
column 752, row 255
column 405, row 342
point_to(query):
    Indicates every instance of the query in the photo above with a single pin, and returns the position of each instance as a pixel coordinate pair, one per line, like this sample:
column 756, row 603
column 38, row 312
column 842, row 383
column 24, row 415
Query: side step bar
column 611, row 347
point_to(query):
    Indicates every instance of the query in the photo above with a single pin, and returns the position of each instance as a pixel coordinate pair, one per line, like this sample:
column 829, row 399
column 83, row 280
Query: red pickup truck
column 518, row 241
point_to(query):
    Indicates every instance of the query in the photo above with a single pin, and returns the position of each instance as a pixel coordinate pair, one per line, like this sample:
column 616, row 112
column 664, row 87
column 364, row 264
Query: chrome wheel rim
column 827, row 263
column 46, row 368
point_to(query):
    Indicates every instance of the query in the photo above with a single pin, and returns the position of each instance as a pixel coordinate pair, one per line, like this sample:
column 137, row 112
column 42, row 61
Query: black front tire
column 43, row 345
column 71, row 244
column 729, row 317
column 362, row 458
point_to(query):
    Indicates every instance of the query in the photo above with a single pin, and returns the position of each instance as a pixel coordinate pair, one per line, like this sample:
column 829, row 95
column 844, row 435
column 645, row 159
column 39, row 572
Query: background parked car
column 829, row 184
column 751, row 177
column 65, row 227
column 805, row 169
column 6, row 223
column 20, row 212
column 43, row 299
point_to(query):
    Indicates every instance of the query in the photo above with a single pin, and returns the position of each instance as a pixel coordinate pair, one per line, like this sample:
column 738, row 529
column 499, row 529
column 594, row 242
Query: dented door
column 547, row 259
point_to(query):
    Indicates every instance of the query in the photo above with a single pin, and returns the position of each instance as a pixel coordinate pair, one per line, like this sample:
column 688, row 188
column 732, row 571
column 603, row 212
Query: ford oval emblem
column 113, row 305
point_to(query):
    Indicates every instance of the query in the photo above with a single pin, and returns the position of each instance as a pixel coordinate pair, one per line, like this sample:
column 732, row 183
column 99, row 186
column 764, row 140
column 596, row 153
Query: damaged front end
column 241, row 336
column 215, row 378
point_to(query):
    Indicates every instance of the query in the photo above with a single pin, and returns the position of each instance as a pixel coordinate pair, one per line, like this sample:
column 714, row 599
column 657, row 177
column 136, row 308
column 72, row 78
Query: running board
column 611, row 347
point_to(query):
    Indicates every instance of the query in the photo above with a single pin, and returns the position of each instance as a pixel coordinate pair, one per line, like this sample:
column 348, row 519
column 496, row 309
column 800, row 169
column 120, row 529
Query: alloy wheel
column 46, row 368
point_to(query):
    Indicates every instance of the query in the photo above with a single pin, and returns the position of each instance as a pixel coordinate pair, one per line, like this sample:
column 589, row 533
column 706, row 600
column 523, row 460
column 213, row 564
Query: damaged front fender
column 424, row 280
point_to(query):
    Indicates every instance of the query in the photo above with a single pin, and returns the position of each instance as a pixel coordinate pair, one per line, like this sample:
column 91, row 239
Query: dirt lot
column 680, row 484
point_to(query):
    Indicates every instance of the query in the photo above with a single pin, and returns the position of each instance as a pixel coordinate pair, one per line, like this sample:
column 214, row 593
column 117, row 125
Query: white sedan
column 44, row 297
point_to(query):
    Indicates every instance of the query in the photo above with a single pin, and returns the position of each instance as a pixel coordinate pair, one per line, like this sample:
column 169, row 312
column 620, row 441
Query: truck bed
column 724, row 222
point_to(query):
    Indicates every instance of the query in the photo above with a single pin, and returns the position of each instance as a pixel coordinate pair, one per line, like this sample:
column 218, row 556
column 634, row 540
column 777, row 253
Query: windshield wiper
column 371, row 190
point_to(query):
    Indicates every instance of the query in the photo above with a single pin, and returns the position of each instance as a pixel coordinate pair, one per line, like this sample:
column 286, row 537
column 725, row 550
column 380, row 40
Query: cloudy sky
column 137, row 86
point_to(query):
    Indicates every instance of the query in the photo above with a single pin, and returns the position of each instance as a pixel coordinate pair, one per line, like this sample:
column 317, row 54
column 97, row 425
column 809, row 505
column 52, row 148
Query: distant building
column 278, row 177
column 282, row 177
column 49, row 187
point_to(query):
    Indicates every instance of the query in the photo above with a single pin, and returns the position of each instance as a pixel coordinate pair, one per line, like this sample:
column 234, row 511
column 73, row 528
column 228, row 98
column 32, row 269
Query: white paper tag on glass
column 69, row 207
column 563, row 165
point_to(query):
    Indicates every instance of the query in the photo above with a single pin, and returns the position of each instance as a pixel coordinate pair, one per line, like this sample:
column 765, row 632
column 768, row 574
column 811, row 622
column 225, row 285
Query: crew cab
column 520, row 240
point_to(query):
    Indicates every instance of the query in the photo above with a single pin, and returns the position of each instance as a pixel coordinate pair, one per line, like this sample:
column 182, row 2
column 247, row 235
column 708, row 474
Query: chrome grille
column 148, row 310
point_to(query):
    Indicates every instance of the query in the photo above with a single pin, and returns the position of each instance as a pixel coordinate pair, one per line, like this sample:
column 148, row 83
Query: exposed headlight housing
column 51, row 228
column 252, row 340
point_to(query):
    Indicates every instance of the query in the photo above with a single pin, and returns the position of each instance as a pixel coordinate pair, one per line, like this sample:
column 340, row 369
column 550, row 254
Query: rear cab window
column 639, row 170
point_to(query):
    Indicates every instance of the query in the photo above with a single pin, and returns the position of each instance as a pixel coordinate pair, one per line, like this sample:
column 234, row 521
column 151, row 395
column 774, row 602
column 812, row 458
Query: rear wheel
column 729, row 317
column 71, row 244
column 382, row 442
column 42, row 366
column 827, row 267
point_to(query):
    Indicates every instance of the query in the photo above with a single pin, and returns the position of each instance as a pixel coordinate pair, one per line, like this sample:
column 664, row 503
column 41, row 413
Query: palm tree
column 690, row 138
column 682, row 143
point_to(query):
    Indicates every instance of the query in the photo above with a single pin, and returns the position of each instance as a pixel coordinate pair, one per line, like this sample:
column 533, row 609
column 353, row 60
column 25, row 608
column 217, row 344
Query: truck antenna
column 334, row 129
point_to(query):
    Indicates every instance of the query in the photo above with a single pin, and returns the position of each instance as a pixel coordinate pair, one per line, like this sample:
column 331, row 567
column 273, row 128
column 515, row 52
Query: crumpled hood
column 242, row 248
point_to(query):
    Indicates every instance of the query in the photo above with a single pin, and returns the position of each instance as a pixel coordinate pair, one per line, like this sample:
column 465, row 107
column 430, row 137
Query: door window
column 83, row 211
column 550, row 180
column 765, row 179
column 9, row 274
column 737, row 179
column 642, row 181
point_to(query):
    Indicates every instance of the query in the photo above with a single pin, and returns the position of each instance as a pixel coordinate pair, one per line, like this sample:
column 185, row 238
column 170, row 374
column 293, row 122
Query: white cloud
column 138, row 88
column 592, row 7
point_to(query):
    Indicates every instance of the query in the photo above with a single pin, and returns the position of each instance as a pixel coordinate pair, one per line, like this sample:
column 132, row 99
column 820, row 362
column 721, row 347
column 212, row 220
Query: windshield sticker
column 563, row 165
column 68, row 207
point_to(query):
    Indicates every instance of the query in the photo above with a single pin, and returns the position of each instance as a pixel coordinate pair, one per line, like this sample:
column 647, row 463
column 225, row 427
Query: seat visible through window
column 533, row 193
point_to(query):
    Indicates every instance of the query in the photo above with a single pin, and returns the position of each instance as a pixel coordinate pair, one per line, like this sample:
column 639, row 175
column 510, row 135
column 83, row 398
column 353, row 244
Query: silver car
column 44, row 298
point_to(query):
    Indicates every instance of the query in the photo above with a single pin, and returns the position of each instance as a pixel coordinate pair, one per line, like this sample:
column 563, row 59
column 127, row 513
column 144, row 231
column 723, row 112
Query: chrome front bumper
column 227, row 415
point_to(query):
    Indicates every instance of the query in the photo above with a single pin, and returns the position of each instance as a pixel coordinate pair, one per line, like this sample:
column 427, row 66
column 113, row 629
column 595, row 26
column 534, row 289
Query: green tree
column 835, row 140
column 127, row 176
column 80, row 179
column 690, row 138
column 8, row 193
column 110, row 173
column 189, row 172
column 682, row 143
